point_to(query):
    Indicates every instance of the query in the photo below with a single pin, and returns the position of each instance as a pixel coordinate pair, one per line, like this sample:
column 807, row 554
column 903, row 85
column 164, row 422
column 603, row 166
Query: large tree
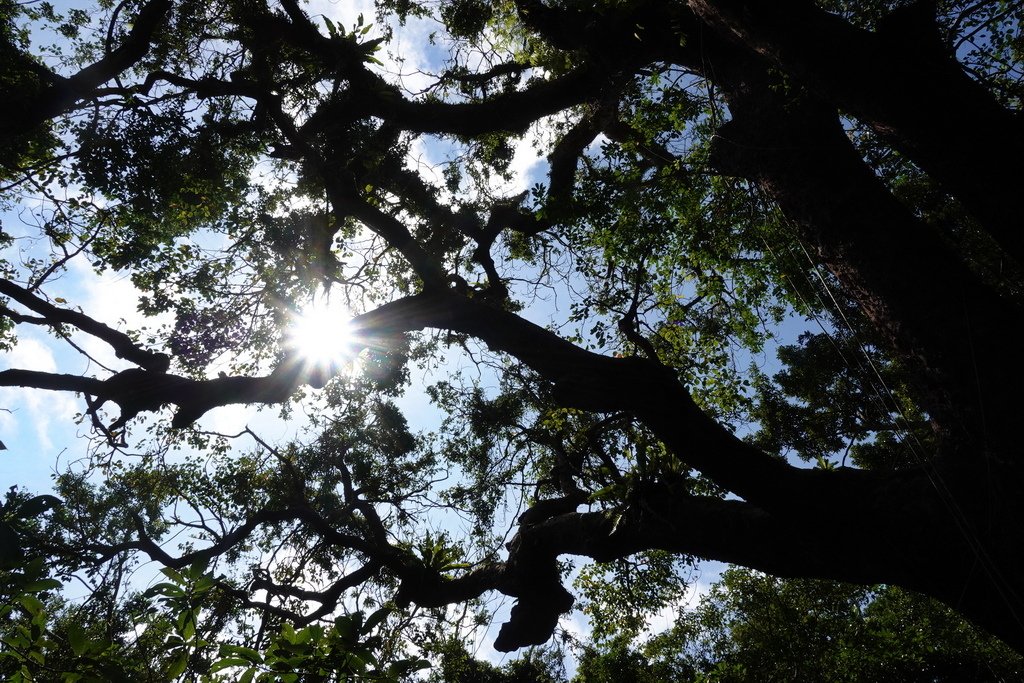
column 715, row 168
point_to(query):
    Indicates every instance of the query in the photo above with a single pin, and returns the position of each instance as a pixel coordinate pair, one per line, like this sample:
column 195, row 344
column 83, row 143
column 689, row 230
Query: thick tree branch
column 920, row 296
column 50, row 381
column 136, row 391
column 511, row 112
column 482, row 79
column 599, row 383
column 666, row 519
column 347, row 203
column 582, row 379
column 564, row 159
column 60, row 94
column 896, row 80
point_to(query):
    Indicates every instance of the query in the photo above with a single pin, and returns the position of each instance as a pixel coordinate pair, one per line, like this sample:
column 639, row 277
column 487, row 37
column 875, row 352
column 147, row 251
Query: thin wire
column 934, row 476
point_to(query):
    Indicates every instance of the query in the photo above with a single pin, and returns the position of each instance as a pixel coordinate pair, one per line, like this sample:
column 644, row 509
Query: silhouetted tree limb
column 123, row 345
column 59, row 94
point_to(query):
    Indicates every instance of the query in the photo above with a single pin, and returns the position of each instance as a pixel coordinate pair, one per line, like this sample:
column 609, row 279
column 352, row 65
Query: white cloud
column 528, row 166
column 31, row 354
column 704, row 577
column 36, row 407
column 230, row 419
column 411, row 41
column 344, row 12
column 109, row 297
column 594, row 148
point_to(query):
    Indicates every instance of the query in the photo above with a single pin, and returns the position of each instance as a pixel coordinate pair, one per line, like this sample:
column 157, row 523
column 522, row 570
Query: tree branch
column 123, row 345
column 922, row 298
column 895, row 80
column 61, row 94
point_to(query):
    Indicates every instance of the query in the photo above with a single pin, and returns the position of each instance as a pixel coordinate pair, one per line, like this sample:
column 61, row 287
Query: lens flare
column 322, row 334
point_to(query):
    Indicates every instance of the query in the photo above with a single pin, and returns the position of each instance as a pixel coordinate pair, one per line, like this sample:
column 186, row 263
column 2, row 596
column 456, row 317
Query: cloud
column 110, row 298
column 36, row 407
column 411, row 40
column 528, row 165
column 31, row 354
column 700, row 585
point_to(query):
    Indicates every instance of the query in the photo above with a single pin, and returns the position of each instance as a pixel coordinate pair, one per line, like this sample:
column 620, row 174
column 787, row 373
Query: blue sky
column 40, row 430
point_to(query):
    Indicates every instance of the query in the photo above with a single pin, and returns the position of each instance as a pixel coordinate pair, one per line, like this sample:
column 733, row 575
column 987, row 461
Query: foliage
column 748, row 301
column 756, row 627
column 457, row 665
column 753, row 627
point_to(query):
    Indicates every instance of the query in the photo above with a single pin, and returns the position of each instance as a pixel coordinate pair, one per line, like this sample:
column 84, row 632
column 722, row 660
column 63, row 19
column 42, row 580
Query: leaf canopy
column 634, row 283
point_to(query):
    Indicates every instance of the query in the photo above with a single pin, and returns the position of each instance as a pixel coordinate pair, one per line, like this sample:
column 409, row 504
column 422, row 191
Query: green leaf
column 345, row 627
column 166, row 589
column 604, row 493
column 31, row 603
column 177, row 665
column 197, row 569
column 247, row 653
column 405, row 666
column 41, row 585
column 186, row 624
column 33, row 507
column 77, row 639
column 173, row 574
column 332, row 30
column 230, row 661
column 375, row 619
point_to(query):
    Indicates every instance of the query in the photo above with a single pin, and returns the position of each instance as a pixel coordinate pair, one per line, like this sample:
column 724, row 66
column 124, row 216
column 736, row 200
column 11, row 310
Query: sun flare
column 321, row 333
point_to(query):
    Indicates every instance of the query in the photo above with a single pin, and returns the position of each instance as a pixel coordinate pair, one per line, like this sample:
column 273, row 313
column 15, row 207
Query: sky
column 41, row 431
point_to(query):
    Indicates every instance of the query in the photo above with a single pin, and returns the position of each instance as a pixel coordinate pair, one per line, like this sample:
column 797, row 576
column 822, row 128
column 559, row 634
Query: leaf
column 230, row 661
column 197, row 569
column 166, row 589
column 405, row 666
column 332, row 30
column 178, row 664
column 345, row 627
column 204, row 584
column 247, row 653
column 172, row 574
column 42, row 585
column 78, row 639
column 615, row 524
column 604, row 493
column 375, row 619
column 186, row 624
column 31, row 603
column 33, row 507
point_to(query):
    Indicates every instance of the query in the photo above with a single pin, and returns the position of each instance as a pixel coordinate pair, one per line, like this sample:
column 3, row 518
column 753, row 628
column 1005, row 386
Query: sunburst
column 321, row 333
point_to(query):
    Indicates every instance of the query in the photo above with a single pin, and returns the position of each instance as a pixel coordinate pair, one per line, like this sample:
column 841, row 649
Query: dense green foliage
column 627, row 285
column 755, row 627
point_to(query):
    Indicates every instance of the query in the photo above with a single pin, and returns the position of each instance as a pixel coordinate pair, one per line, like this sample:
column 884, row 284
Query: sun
column 321, row 333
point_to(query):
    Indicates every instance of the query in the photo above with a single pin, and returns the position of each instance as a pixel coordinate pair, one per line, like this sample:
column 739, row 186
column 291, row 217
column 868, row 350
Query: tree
column 713, row 167
column 752, row 626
